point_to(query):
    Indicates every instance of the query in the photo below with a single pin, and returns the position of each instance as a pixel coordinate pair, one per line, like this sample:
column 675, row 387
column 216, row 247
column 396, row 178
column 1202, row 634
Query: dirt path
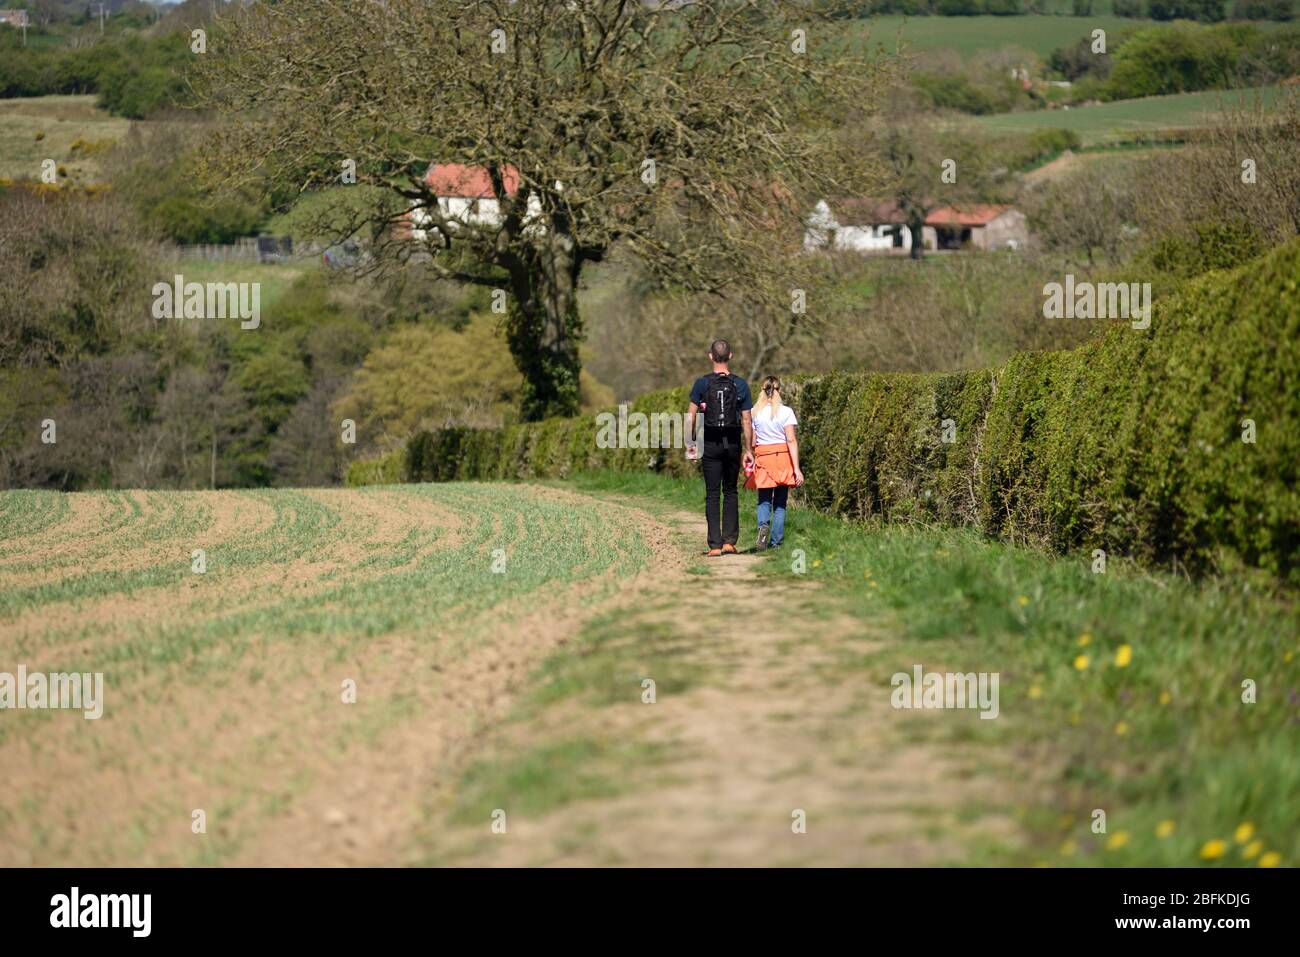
column 792, row 717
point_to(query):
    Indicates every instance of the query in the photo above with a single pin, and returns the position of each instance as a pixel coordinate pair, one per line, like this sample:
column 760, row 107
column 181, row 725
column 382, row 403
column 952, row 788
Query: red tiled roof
column 865, row 212
column 468, row 182
column 980, row 214
column 877, row 212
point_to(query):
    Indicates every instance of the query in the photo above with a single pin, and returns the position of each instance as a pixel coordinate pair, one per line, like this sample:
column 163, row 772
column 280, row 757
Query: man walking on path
column 728, row 437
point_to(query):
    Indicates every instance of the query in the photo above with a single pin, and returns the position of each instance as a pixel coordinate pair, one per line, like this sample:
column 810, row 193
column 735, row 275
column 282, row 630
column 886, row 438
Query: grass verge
column 1172, row 706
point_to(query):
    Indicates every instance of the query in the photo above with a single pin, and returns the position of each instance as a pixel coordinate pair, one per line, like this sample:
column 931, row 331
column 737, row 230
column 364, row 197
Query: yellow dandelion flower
column 1035, row 692
column 1288, row 656
column 1251, row 850
column 1117, row 840
column 872, row 583
column 1245, row 831
column 1068, row 848
column 817, row 562
column 1271, row 859
column 1081, row 663
column 1213, row 850
column 1085, row 640
column 1022, row 600
column 1165, row 828
column 1166, row 697
column 1121, row 728
column 1123, row 656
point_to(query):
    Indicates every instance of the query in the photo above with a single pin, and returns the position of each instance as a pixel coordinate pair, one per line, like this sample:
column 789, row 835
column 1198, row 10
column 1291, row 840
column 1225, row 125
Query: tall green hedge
column 1132, row 444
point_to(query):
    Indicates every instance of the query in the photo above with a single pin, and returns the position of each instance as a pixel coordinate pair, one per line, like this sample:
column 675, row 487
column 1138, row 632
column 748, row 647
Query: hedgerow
column 1178, row 444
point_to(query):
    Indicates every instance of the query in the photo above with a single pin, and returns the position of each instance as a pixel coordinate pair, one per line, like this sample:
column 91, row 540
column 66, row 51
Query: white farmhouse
column 465, row 197
column 857, row 225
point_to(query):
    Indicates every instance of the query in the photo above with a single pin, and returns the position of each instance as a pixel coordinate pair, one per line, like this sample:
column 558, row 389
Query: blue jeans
column 771, row 508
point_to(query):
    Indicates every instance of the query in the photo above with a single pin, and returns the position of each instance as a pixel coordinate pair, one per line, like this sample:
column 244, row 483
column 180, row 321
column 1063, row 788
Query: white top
column 769, row 429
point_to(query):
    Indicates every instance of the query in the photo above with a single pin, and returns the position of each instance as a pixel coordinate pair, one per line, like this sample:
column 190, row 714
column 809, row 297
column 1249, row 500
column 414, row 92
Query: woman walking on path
column 776, row 461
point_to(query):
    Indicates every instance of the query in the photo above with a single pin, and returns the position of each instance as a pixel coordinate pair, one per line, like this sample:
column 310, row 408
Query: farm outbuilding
column 875, row 226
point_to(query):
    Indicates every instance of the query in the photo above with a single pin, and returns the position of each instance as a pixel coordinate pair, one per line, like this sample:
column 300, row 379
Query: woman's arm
column 793, row 444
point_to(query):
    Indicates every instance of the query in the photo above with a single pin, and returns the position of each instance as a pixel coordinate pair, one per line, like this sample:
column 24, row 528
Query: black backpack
column 721, row 410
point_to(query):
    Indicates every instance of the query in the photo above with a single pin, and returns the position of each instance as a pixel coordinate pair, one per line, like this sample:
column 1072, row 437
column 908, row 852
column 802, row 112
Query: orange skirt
column 772, row 466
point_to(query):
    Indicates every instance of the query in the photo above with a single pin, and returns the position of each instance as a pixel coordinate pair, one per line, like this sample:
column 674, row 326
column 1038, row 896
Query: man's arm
column 747, row 428
column 692, row 413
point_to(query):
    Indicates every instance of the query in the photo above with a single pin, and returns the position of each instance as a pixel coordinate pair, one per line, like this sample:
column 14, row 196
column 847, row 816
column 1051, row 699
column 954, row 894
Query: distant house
column 15, row 18
column 465, row 197
column 873, row 226
column 857, row 225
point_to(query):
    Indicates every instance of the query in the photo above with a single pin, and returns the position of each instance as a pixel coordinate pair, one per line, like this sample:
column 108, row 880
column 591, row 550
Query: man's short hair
column 720, row 351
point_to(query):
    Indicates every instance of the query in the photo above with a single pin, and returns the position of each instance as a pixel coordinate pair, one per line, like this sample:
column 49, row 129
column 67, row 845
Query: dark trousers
column 721, row 466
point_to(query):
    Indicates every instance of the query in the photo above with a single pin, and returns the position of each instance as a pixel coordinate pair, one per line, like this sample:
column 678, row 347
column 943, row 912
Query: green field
column 1039, row 35
column 274, row 279
column 970, row 35
column 1108, row 122
column 35, row 129
column 560, row 655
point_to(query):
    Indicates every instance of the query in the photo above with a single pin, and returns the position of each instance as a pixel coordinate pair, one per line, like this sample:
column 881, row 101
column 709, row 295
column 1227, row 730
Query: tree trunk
column 544, row 329
column 917, row 226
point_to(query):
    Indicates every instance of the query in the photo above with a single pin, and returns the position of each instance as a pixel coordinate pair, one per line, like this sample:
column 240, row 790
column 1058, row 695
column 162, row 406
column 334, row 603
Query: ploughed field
column 284, row 671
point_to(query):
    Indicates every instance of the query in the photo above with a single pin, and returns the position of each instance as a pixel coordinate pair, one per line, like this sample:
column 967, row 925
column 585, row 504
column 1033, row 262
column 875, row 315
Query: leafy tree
column 1207, row 11
column 155, row 171
column 394, row 392
column 1088, row 212
column 1176, row 59
column 1263, row 9
column 1077, row 60
column 75, row 276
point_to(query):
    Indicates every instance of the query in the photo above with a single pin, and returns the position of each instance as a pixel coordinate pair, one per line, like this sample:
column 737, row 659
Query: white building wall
column 824, row 231
column 470, row 212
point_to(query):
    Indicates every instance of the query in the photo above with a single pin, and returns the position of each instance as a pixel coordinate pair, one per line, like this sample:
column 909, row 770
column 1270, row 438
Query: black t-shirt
column 744, row 402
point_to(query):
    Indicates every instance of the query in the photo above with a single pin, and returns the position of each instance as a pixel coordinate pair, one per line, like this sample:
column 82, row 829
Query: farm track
column 784, row 723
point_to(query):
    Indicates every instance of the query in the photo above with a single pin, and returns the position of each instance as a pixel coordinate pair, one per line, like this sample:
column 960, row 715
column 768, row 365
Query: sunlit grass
column 1129, row 684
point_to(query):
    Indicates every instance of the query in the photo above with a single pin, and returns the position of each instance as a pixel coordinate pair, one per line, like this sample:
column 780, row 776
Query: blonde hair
column 769, row 399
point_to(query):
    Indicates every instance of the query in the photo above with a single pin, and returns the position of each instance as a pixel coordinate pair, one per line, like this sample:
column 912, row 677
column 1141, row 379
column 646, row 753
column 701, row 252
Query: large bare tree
column 692, row 136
